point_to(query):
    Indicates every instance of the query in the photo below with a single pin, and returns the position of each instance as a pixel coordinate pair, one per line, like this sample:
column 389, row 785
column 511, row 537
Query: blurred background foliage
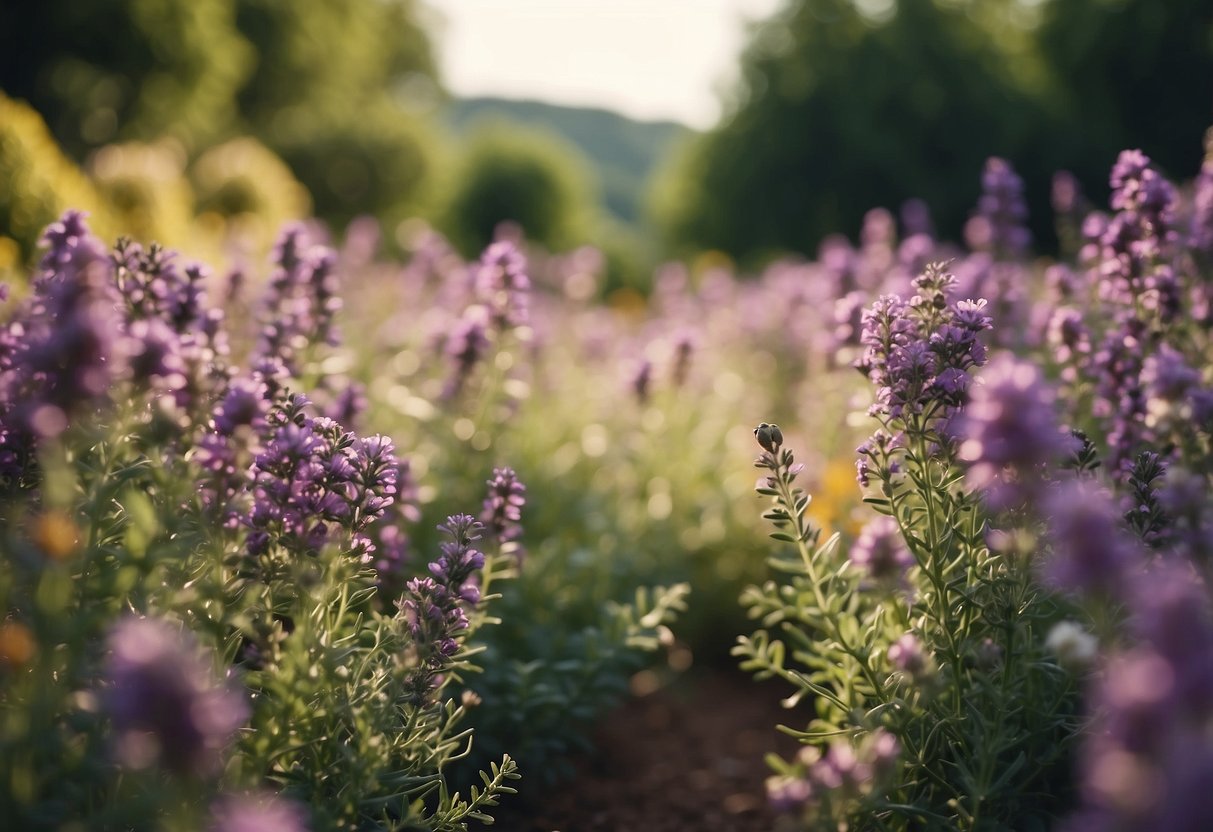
column 339, row 90
column 512, row 173
column 842, row 105
column 849, row 104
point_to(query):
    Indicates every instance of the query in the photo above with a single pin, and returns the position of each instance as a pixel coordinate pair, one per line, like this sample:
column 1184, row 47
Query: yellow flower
column 16, row 644
column 55, row 534
column 835, row 498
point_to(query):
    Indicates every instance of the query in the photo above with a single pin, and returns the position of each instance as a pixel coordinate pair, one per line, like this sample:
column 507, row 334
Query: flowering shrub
column 355, row 546
column 1021, row 633
column 193, row 613
column 906, row 644
column 584, row 610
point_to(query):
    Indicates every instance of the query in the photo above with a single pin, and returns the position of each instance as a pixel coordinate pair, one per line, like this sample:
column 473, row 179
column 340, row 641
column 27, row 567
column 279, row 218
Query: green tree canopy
column 1130, row 74
column 339, row 88
column 846, row 105
column 511, row 173
column 110, row 70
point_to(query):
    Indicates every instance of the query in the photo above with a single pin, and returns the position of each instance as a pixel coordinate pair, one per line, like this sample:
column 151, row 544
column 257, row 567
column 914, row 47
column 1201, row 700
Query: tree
column 1138, row 73
column 111, row 70
column 339, row 88
column 848, row 105
column 514, row 174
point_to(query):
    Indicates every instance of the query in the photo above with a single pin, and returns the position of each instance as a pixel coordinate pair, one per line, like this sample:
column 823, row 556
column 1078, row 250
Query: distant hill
column 623, row 152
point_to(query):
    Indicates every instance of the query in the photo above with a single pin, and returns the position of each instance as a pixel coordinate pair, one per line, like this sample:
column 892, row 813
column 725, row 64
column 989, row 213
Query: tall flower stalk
column 907, row 642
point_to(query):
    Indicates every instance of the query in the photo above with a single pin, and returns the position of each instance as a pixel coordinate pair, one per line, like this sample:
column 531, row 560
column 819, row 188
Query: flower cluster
column 163, row 700
column 256, row 813
column 502, row 513
column 61, row 354
column 299, row 307
column 844, row 773
column 918, row 353
column 143, row 469
column 1147, row 761
column 432, row 608
column 177, row 343
column 880, row 551
column 500, row 303
column 1012, row 440
column 999, row 224
column 502, row 284
column 315, row 483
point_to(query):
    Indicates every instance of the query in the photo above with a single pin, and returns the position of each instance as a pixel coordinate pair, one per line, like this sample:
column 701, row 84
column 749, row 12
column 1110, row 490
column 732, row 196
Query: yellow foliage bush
column 38, row 182
column 243, row 187
column 146, row 189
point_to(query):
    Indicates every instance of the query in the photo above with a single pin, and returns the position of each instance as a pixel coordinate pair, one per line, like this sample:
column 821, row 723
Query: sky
column 648, row 59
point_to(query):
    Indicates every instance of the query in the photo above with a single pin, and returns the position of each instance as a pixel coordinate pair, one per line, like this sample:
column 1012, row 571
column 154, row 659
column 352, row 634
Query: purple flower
column 261, row 812
column 1011, row 433
column 71, row 249
column 918, row 353
column 1138, row 187
column 880, row 551
column 1147, row 759
column 431, row 609
column 787, row 794
column 1070, row 340
column 503, row 285
column 1169, row 382
column 1066, row 194
column 1131, row 251
column 466, row 346
column 163, row 699
column 843, row 772
column 916, row 218
column 999, row 224
column 1184, row 500
column 642, row 378
column 388, row 533
column 300, row 304
column 684, row 345
column 848, row 320
column 1172, row 614
column 459, row 560
column 349, row 404
column 246, row 402
column 1118, row 364
column 1090, row 551
column 907, row 655
column 1201, row 234
column 502, row 513
column 63, row 350
column 315, row 483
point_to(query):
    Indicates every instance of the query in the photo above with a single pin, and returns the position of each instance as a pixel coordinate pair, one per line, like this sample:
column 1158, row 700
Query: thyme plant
column 195, row 633
column 919, row 654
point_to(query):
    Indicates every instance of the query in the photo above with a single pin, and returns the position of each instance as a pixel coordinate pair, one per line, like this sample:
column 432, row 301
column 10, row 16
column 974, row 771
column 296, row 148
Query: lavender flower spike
column 503, row 284
column 999, row 223
column 1011, row 433
column 502, row 513
column 164, row 701
column 881, row 552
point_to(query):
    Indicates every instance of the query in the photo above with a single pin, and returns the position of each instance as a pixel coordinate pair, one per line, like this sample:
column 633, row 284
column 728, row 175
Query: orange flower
column 55, row 534
column 16, row 644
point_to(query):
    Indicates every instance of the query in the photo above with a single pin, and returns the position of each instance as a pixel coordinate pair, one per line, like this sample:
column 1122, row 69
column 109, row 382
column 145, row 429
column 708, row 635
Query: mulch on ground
column 688, row 756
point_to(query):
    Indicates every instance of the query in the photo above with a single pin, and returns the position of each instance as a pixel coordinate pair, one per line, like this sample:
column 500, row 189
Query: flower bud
column 770, row 437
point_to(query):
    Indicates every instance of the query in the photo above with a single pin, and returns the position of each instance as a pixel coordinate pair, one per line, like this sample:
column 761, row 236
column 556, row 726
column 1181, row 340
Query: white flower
column 1072, row 645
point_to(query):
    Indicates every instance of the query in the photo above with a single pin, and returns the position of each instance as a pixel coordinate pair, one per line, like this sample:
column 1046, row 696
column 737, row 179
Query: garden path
column 688, row 756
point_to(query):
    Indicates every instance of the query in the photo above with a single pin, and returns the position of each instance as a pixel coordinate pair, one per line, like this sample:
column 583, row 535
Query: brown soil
column 688, row 756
